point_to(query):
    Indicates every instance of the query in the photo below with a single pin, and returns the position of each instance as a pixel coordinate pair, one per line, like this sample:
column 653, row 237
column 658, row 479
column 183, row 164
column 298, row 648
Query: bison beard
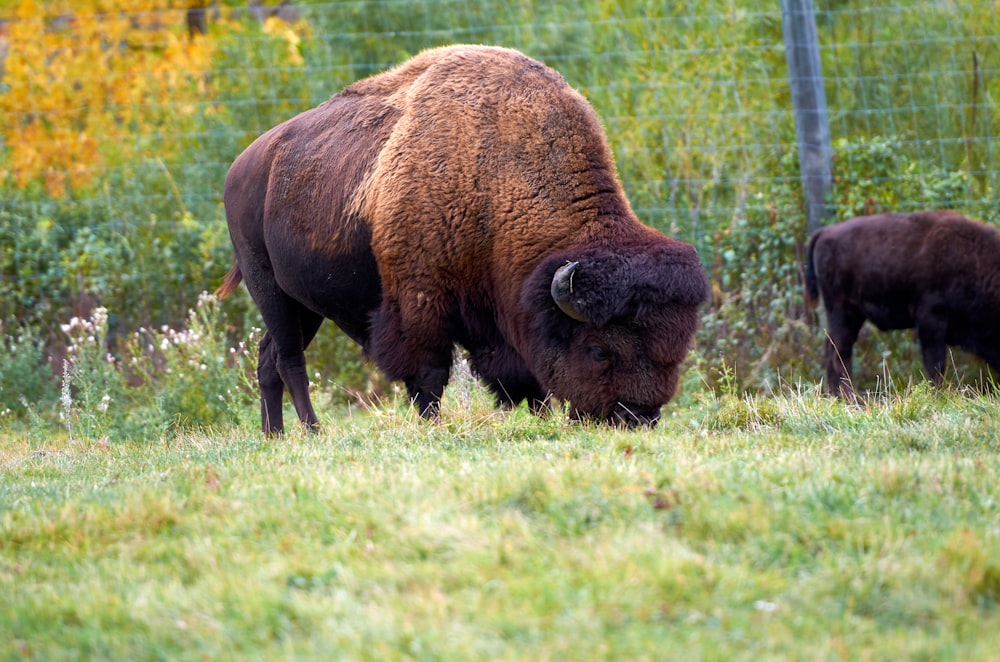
column 467, row 196
column 935, row 271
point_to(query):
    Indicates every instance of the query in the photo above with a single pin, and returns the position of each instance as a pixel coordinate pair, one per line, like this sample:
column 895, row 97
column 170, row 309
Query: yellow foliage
column 276, row 27
column 86, row 79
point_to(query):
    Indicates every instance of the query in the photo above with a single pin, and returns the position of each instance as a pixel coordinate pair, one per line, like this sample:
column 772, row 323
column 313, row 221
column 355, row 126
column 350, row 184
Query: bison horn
column 562, row 290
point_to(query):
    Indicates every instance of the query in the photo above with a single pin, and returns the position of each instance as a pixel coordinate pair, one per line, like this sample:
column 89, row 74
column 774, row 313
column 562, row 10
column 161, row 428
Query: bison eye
column 599, row 354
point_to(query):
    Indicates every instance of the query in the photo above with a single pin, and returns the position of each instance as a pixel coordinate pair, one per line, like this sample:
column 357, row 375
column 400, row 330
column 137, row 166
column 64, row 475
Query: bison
column 936, row 271
column 467, row 196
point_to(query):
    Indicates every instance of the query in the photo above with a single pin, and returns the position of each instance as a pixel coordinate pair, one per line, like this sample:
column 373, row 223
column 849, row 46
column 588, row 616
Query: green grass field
column 785, row 527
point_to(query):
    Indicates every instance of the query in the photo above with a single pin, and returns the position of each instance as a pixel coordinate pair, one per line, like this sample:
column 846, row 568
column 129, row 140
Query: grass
column 781, row 527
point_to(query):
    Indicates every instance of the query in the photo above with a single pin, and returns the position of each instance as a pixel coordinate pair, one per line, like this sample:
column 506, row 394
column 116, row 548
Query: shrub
column 189, row 378
column 153, row 383
column 26, row 381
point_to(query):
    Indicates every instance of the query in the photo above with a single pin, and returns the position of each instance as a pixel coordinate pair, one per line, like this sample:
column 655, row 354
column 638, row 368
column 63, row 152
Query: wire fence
column 697, row 92
column 694, row 96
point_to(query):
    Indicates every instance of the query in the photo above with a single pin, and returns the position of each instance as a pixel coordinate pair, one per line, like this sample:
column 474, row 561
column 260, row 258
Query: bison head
column 610, row 330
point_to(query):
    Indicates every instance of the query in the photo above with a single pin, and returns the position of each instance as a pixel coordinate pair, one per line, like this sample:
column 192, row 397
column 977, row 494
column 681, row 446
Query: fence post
column 812, row 128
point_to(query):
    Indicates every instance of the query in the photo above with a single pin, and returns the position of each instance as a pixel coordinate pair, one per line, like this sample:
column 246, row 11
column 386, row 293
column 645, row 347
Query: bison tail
column 812, row 287
column 230, row 282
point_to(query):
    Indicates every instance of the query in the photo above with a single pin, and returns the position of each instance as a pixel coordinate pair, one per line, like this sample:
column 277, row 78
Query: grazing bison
column 934, row 270
column 466, row 196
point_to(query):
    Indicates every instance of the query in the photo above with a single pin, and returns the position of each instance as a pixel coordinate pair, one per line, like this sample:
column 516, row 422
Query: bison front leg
column 426, row 389
column 842, row 332
column 415, row 349
column 507, row 377
column 511, row 392
column 992, row 358
column 933, row 349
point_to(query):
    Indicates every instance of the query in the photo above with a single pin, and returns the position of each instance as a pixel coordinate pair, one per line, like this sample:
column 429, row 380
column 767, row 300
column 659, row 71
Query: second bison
column 466, row 196
column 936, row 271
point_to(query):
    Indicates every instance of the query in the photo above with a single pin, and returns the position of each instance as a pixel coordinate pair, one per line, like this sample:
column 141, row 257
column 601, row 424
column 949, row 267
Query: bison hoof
column 430, row 410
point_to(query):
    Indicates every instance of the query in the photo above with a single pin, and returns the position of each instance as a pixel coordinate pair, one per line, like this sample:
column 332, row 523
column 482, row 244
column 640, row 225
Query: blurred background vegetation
column 121, row 117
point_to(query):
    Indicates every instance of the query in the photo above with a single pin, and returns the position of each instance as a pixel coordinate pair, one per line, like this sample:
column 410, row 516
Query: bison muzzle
column 469, row 197
column 936, row 271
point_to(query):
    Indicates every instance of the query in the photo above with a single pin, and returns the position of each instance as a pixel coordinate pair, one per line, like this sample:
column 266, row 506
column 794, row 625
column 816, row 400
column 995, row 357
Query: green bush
column 198, row 377
column 26, row 380
column 34, row 236
column 146, row 385
column 60, row 259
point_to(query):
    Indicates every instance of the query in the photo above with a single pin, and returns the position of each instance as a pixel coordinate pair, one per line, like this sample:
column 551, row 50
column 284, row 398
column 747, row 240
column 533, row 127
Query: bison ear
column 589, row 289
column 562, row 291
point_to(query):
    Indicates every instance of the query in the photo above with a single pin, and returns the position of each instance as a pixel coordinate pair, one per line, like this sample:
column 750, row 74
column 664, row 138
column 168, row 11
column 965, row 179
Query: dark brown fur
column 935, row 271
column 431, row 205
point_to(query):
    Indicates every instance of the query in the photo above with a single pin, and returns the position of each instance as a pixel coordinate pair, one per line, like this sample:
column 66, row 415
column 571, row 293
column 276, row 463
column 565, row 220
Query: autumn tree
column 84, row 81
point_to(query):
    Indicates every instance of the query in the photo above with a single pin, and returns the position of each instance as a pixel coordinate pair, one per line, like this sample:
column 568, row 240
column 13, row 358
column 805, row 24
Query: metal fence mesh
column 694, row 96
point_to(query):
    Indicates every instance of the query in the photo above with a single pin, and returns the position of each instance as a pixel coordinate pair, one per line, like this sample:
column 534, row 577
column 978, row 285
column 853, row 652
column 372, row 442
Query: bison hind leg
column 281, row 364
column 843, row 324
column 272, row 388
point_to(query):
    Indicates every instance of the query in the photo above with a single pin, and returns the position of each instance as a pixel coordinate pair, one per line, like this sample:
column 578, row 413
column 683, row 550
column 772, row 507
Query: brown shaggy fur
column 431, row 204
